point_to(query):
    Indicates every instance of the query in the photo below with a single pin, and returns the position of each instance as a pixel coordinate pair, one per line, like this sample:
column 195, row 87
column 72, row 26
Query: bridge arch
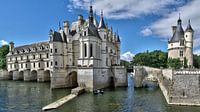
column 47, row 75
column 33, row 75
column 10, row 75
column 72, row 79
column 21, row 75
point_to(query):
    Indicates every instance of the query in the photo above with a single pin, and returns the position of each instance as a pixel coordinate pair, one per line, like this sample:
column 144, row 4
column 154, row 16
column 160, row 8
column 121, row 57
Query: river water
column 31, row 97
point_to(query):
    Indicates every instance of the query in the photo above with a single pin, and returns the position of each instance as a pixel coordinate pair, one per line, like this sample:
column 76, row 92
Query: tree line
column 159, row 59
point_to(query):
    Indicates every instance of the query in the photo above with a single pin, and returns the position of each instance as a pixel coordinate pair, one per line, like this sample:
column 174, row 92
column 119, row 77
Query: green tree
column 3, row 52
column 196, row 59
column 124, row 63
column 174, row 63
column 155, row 59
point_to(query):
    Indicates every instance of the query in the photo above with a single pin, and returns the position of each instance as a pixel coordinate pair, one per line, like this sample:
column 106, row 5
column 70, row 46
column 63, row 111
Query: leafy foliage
column 125, row 63
column 3, row 52
column 174, row 63
column 196, row 61
column 155, row 59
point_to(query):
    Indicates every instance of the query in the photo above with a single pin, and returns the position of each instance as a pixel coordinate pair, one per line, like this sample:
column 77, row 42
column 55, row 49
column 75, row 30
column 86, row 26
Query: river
column 17, row 96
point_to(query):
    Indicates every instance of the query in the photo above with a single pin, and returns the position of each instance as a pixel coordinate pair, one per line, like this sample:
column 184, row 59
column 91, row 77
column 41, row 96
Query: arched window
column 85, row 50
column 91, row 50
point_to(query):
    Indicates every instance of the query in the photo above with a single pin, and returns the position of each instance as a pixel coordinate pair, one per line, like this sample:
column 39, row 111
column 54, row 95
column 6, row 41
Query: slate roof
column 34, row 45
column 179, row 33
column 189, row 28
column 56, row 37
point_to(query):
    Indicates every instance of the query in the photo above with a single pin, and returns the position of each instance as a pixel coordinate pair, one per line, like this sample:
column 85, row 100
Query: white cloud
column 122, row 9
column 128, row 56
column 3, row 42
column 146, row 32
column 162, row 27
column 197, row 52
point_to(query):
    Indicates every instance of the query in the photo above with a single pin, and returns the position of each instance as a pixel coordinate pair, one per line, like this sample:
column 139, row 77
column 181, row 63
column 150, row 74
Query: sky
column 142, row 24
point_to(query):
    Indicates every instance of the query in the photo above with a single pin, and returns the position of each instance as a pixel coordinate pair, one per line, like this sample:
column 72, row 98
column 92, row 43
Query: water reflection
column 31, row 97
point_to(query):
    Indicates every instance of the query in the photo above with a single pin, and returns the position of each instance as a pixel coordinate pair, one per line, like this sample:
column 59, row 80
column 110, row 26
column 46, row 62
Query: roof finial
column 189, row 21
column 179, row 20
column 102, row 24
column 91, row 14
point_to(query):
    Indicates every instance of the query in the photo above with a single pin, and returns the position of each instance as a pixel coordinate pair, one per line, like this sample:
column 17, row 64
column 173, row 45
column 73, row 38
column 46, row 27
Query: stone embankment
column 74, row 93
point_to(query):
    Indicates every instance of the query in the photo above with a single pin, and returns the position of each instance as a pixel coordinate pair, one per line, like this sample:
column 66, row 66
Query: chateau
column 85, row 54
column 181, row 44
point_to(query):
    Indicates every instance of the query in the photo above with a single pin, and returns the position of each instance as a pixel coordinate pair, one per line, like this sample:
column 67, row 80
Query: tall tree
column 3, row 52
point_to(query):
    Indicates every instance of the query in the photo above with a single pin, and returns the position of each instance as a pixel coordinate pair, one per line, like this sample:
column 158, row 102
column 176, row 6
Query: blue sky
column 142, row 25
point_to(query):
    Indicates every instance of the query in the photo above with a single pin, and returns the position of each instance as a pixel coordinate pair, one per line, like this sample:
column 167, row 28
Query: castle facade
column 85, row 54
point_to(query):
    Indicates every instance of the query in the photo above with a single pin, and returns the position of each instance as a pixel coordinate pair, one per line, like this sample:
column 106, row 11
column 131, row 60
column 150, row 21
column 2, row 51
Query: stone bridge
column 179, row 87
column 69, row 79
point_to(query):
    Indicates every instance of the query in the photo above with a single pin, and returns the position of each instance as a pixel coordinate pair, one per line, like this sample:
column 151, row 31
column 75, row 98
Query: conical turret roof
column 179, row 33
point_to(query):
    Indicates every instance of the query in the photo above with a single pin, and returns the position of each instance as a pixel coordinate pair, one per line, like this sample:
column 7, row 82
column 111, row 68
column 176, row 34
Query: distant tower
column 189, row 44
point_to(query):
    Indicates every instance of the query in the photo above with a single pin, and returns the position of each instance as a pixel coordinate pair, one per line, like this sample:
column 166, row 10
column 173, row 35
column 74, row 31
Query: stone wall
column 167, row 73
column 85, row 78
column 99, row 77
column 120, row 76
column 186, row 88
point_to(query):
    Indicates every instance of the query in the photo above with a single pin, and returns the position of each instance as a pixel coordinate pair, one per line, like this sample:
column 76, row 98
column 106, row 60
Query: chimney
column 174, row 29
column 11, row 46
column 80, row 20
column 66, row 26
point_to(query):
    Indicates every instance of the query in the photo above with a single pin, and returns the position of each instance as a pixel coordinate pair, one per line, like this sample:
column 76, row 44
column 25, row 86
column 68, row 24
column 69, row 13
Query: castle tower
column 189, row 44
column 181, row 44
column 176, row 45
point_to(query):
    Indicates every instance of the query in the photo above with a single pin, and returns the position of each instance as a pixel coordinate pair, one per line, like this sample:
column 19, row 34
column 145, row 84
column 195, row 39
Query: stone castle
column 85, row 54
column 181, row 44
